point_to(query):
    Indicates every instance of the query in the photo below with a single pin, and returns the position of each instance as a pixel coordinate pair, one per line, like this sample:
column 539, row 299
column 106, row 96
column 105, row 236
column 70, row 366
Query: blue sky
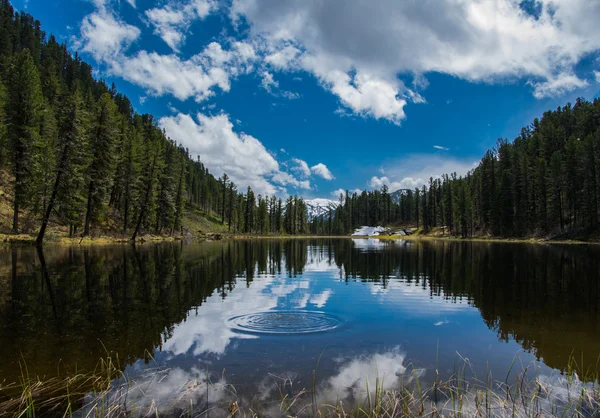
column 308, row 97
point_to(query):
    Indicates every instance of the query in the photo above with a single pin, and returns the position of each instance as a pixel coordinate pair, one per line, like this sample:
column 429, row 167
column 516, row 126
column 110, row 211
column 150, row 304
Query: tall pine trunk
column 17, row 191
column 62, row 166
column 146, row 197
column 88, row 212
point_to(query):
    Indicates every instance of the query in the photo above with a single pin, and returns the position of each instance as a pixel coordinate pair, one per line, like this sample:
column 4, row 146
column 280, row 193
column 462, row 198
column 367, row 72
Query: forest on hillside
column 77, row 155
column 544, row 183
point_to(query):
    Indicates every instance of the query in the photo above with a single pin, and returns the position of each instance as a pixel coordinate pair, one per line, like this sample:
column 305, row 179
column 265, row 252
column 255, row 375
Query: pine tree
column 128, row 171
column 102, row 140
column 71, row 149
column 24, row 110
column 2, row 124
column 224, row 197
column 44, row 165
column 180, row 194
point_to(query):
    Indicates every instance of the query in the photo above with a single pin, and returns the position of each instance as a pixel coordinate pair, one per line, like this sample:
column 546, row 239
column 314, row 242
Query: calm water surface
column 262, row 315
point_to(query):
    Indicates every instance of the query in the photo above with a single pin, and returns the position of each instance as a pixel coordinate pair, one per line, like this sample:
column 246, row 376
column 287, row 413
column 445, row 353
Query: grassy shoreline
column 424, row 237
column 29, row 240
column 109, row 392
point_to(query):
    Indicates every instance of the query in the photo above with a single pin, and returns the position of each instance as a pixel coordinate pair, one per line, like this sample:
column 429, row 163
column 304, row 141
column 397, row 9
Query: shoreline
column 460, row 393
column 420, row 237
column 29, row 240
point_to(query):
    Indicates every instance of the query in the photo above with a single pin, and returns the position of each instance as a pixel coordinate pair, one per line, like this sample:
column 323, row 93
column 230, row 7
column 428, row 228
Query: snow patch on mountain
column 395, row 196
column 320, row 207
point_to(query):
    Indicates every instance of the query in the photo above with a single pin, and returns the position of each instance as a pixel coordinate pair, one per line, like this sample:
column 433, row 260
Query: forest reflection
column 65, row 307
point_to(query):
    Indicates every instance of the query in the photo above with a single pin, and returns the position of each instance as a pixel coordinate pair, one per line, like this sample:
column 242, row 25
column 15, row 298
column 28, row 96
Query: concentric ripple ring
column 284, row 322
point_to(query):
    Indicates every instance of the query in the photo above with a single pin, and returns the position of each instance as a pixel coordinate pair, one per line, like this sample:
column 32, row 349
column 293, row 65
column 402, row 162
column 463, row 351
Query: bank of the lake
column 110, row 392
column 425, row 237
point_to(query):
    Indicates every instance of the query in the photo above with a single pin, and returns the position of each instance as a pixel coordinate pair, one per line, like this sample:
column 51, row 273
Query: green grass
column 518, row 394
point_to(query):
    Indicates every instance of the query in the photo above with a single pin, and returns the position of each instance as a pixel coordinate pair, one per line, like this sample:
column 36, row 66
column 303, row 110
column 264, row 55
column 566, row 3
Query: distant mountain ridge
column 320, row 207
column 395, row 196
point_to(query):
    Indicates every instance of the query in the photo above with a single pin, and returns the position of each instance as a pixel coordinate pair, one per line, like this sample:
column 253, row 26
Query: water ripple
column 284, row 322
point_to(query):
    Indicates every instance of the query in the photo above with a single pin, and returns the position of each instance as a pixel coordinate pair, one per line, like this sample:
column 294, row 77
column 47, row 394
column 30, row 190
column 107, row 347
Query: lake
column 264, row 319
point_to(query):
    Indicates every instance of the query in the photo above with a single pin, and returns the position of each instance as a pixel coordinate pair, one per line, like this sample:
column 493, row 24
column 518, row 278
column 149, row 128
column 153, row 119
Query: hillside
column 195, row 224
column 78, row 160
column 544, row 184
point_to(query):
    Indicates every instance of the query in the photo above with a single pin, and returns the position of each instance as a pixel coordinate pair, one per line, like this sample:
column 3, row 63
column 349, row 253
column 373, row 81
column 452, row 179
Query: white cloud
column 131, row 3
column 597, row 75
column 320, row 299
column 268, row 83
column 558, row 86
column 405, row 183
column 272, row 86
column 364, row 94
column 338, row 192
column 373, row 59
column 172, row 21
column 322, row 171
column 103, row 35
column 286, row 179
column 301, row 167
column 355, row 377
column 441, row 148
column 415, row 170
column 168, row 74
column 195, row 77
column 243, row 157
column 357, row 52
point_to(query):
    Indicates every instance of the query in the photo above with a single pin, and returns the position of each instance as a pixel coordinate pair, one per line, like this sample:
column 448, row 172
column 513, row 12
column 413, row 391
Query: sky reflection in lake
column 394, row 310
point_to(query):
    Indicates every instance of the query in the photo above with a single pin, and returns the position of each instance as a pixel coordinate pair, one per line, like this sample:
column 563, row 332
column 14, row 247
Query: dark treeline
column 545, row 182
column 79, row 156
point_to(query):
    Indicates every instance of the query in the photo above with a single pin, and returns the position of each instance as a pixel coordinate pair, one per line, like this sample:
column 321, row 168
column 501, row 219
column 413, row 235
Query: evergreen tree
column 71, row 147
column 102, row 140
column 3, row 146
column 24, row 111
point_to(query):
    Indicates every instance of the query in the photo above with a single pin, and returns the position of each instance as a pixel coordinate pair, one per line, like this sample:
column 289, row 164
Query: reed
column 105, row 392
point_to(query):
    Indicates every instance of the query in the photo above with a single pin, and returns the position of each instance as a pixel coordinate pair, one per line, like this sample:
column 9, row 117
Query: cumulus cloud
column 322, row 171
column 338, row 192
column 107, row 38
column 286, row 179
column 361, row 54
column 103, row 35
column 415, row 171
column 244, row 158
column 301, row 167
column 365, row 94
column 355, row 377
column 172, row 21
column 196, row 77
column 558, row 86
column 357, row 52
